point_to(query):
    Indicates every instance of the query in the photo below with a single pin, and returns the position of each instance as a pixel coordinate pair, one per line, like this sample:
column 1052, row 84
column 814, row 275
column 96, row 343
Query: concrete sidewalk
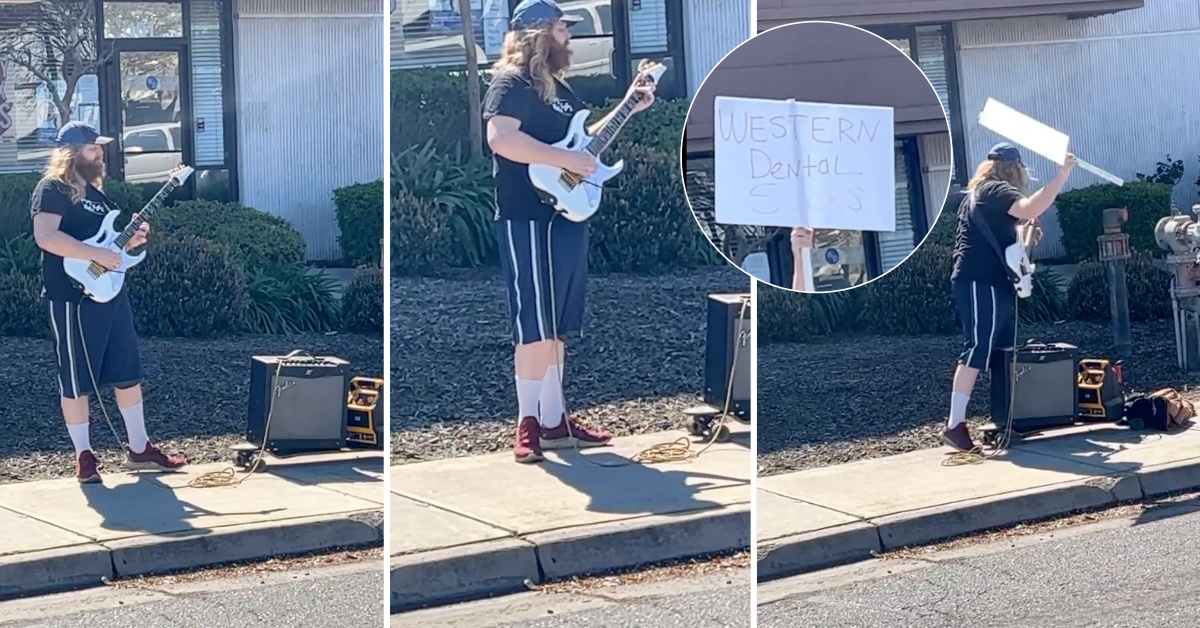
column 471, row 527
column 820, row 518
column 57, row 534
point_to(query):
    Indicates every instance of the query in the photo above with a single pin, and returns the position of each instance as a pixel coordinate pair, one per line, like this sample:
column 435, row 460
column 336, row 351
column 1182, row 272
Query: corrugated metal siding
column 1128, row 52
column 937, row 166
column 206, row 92
column 310, row 109
column 712, row 28
column 648, row 26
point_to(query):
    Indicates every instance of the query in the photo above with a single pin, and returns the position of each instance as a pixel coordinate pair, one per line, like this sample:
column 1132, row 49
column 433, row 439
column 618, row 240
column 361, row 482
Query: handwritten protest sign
column 799, row 164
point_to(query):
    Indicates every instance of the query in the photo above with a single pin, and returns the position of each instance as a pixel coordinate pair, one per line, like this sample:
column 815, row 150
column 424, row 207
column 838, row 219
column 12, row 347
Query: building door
column 147, row 105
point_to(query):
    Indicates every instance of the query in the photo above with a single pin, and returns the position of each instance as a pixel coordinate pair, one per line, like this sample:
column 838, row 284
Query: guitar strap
column 989, row 236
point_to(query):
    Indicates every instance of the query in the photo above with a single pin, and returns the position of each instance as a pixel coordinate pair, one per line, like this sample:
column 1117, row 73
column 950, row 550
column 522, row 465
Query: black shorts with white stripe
column 544, row 266
column 95, row 341
column 987, row 314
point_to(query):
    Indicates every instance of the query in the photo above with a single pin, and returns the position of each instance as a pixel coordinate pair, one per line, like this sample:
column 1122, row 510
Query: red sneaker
column 153, row 459
column 527, row 449
column 87, row 470
column 960, row 438
column 578, row 434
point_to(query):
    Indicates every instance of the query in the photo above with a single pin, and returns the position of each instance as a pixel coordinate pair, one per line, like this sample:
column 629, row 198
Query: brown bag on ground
column 1179, row 410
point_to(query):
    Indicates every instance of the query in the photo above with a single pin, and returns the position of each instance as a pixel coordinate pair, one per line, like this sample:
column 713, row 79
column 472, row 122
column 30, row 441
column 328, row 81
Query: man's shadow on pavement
column 147, row 506
column 616, row 484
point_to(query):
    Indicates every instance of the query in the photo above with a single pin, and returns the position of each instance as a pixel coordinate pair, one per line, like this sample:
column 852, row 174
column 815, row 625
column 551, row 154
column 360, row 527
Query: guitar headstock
column 649, row 72
column 179, row 174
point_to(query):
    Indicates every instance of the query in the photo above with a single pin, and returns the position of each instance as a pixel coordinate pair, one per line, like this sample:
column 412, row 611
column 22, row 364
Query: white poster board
column 799, row 164
column 1037, row 137
column 1020, row 128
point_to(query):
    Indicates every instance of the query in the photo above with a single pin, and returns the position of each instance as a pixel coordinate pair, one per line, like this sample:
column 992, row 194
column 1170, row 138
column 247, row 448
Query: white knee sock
column 80, row 437
column 551, row 410
column 527, row 397
column 958, row 410
column 135, row 427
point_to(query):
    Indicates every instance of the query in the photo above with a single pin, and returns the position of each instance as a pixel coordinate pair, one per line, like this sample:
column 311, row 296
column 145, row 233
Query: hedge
column 360, row 222
column 1080, row 212
column 441, row 196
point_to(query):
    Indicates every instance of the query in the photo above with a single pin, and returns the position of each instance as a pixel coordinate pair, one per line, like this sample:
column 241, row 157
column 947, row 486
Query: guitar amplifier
column 729, row 329
column 364, row 419
column 305, row 399
column 1045, row 395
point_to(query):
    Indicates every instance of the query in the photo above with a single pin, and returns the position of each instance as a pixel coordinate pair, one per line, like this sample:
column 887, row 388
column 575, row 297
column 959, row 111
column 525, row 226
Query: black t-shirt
column 974, row 257
column 511, row 94
column 79, row 220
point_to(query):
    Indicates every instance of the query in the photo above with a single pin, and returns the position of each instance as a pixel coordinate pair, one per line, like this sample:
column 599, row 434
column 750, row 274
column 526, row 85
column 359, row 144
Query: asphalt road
column 349, row 596
column 1123, row 573
column 719, row 601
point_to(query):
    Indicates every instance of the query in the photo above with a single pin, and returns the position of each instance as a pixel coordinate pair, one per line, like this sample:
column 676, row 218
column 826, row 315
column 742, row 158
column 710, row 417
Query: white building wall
column 711, row 29
column 310, row 77
column 1121, row 86
column 937, row 167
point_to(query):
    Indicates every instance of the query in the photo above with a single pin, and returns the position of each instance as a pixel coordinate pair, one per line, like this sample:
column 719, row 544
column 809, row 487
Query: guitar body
column 1016, row 256
column 99, row 283
column 102, row 286
column 578, row 202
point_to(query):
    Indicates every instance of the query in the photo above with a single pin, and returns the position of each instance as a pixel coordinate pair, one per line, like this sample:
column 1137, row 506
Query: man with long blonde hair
column 984, row 294
column 95, row 343
column 528, row 107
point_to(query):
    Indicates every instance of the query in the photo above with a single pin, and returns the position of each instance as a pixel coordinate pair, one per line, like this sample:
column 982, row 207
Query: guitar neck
column 144, row 215
column 609, row 131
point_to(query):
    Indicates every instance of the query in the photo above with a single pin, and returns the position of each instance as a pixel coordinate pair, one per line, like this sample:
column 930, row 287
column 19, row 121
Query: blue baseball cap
column 76, row 133
column 1005, row 152
column 534, row 13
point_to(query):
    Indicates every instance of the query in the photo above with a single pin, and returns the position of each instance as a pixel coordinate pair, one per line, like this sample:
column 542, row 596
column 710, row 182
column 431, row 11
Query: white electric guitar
column 575, row 197
column 99, row 283
column 1016, row 255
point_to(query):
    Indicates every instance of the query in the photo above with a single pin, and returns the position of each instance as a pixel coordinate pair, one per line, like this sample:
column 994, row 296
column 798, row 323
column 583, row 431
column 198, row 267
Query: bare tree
column 55, row 41
column 473, row 96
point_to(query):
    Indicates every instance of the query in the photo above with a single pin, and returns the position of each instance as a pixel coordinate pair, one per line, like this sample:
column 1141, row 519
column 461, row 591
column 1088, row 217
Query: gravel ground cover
column 196, row 396
column 858, row 397
column 638, row 365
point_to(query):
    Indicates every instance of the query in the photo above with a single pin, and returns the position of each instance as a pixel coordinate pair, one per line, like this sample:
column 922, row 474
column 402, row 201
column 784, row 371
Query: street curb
column 491, row 568
column 841, row 545
column 83, row 566
column 54, row 570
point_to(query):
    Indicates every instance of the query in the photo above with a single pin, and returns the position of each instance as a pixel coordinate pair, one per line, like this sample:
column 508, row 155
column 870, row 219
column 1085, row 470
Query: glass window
column 136, row 20
column 428, row 33
column 32, row 109
column 146, row 141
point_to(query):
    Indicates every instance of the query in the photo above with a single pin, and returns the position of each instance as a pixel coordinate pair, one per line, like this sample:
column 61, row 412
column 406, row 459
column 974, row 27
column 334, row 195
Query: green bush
column 360, row 222
column 20, row 254
column 253, row 238
column 644, row 223
column 422, row 236
column 22, row 310
column 787, row 316
column 1079, row 214
column 15, row 190
column 660, row 127
column 362, row 304
column 187, row 287
column 130, row 197
column 430, row 105
column 1148, row 284
column 1048, row 301
column 946, row 226
column 289, row 299
column 461, row 185
column 915, row 297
